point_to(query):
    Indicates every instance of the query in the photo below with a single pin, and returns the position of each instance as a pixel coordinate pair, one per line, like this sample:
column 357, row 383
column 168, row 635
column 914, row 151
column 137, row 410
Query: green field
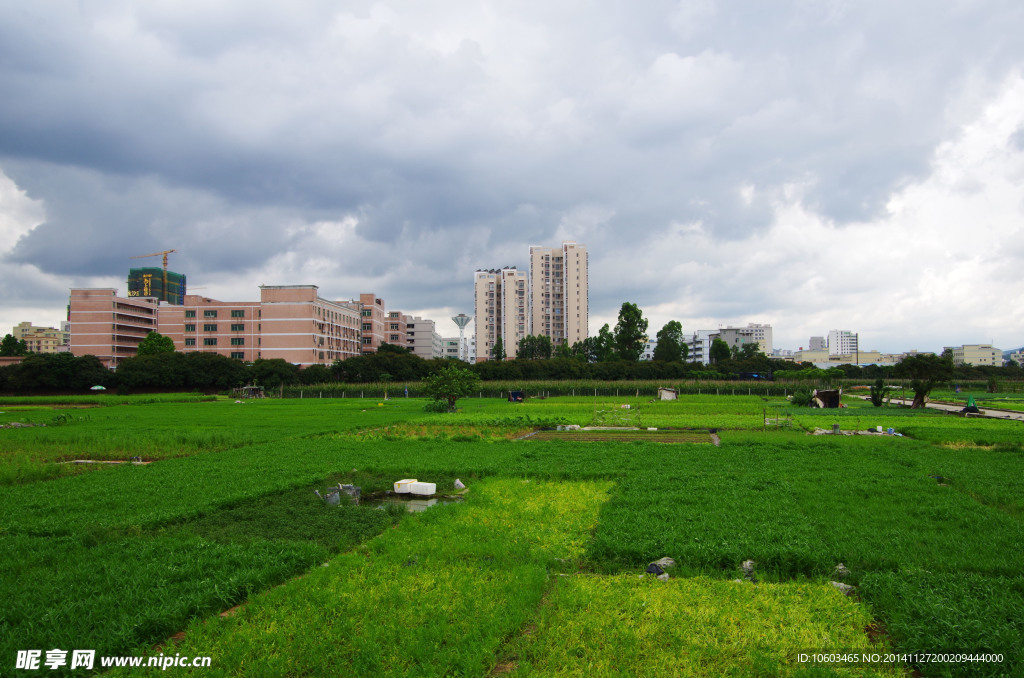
column 537, row 570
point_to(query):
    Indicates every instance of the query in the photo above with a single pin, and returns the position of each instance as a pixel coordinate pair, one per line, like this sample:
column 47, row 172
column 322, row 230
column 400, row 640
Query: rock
column 459, row 485
column 654, row 568
column 842, row 571
column 663, row 576
column 664, row 563
column 845, row 589
column 748, row 571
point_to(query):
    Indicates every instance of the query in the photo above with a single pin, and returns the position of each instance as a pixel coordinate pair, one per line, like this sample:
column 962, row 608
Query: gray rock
column 841, row 571
column 663, row 576
column 845, row 589
column 748, row 571
column 664, row 563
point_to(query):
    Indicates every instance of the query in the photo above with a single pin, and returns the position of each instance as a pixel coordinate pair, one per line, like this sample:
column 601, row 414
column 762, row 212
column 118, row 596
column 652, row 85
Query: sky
column 814, row 165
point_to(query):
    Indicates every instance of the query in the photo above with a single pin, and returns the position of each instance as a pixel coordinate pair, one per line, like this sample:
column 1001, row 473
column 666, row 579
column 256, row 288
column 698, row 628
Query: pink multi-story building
column 291, row 322
column 108, row 326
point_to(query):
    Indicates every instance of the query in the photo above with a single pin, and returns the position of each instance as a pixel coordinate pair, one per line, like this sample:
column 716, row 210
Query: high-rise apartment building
column 500, row 304
column 558, row 293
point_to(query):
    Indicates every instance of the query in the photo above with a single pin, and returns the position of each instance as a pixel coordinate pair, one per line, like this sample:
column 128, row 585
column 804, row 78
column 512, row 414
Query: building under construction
column 158, row 283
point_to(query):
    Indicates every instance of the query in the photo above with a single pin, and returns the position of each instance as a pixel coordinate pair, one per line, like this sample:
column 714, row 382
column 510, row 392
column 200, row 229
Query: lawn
column 537, row 571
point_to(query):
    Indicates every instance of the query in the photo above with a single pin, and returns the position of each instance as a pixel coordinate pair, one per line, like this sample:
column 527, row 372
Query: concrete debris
column 869, row 432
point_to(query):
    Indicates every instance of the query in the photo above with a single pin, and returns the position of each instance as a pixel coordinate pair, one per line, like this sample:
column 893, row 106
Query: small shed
column 667, row 393
column 828, row 399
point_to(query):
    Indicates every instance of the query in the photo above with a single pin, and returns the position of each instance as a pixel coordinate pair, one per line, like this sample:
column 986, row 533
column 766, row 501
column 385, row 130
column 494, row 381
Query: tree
column 925, row 371
column 11, row 346
column 749, row 351
column 878, row 392
column 630, row 333
column 719, row 351
column 671, row 344
column 385, row 347
column 449, row 384
column 274, row 372
column 498, row 352
column 527, row 348
column 155, row 343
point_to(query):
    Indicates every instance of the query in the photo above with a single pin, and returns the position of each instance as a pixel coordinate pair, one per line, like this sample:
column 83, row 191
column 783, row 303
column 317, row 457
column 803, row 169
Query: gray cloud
column 450, row 138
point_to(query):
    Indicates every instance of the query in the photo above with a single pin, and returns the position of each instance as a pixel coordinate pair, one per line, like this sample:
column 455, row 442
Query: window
column 210, row 313
column 237, row 327
column 190, row 328
column 190, row 341
column 238, row 355
column 367, row 312
column 237, row 341
column 210, row 327
column 367, row 327
column 238, row 314
column 190, row 313
column 394, row 327
column 210, row 341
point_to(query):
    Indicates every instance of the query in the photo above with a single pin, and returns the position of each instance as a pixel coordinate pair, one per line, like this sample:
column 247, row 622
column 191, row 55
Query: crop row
column 435, row 597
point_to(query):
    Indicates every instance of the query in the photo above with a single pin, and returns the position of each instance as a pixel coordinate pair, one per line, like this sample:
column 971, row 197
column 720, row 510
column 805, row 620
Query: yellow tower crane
column 157, row 254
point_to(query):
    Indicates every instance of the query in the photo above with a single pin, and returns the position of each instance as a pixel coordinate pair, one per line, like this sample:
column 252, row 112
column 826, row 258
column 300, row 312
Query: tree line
column 612, row 355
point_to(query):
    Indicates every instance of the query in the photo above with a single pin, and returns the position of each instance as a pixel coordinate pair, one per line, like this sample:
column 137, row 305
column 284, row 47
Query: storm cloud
column 811, row 165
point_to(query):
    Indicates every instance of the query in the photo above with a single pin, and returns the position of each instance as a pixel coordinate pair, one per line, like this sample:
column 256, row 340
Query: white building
column 500, row 310
column 699, row 346
column 422, row 337
column 842, row 342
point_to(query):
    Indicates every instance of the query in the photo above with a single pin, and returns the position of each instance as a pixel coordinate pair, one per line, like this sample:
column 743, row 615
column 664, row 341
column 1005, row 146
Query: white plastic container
column 425, row 489
column 403, row 486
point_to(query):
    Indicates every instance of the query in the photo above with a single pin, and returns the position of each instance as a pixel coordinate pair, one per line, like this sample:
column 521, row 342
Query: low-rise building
column 423, row 338
column 977, row 355
column 450, row 348
column 290, row 322
column 39, row 339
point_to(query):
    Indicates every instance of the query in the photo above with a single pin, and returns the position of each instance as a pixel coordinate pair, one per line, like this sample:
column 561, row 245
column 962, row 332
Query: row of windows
column 212, row 341
column 212, row 313
column 212, row 327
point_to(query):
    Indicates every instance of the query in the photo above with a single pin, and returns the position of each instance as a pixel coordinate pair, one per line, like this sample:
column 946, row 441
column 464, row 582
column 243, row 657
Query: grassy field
column 538, row 570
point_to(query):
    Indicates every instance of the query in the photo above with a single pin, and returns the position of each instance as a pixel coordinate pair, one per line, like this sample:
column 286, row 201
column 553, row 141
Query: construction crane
column 157, row 254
